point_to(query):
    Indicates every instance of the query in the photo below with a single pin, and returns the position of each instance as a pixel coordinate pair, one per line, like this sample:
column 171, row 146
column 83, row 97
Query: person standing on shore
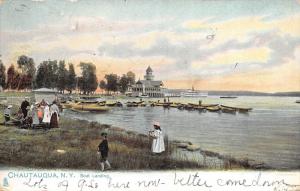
column 47, row 116
column 158, row 145
column 24, row 106
column 54, row 112
column 7, row 113
column 35, row 118
column 103, row 151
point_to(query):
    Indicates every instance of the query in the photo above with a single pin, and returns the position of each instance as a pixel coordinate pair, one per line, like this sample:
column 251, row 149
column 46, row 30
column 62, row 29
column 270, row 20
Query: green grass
column 79, row 139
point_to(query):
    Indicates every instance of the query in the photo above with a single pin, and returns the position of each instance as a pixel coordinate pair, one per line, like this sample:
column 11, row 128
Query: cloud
column 231, row 57
column 266, row 80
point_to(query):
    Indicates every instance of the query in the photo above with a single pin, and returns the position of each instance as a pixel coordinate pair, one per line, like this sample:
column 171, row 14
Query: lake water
column 270, row 133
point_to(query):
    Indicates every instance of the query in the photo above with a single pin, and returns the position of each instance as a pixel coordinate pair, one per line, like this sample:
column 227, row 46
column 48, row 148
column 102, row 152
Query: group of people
column 158, row 145
column 41, row 113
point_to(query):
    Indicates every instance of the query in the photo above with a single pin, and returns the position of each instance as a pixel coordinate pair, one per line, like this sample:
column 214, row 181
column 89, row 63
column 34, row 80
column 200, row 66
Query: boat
column 228, row 97
column 79, row 111
column 132, row 104
column 143, row 96
column 239, row 109
column 119, row 104
column 143, row 104
column 228, row 110
column 174, row 105
column 297, row 101
column 89, row 107
column 193, row 93
column 200, row 108
column 66, row 105
column 209, row 105
column 111, row 104
column 213, row 108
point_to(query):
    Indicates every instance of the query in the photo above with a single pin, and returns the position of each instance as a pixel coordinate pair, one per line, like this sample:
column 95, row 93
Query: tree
column 52, row 70
column 2, row 75
column 123, row 83
column 131, row 77
column 62, row 75
column 71, row 79
column 10, row 76
column 102, row 85
column 88, row 82
column 26, row 64
column 41, row 75
column 111, row 82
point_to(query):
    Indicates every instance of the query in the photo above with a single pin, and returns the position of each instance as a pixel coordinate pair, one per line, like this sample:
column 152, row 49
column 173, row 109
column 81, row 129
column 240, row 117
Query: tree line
column 61, row 76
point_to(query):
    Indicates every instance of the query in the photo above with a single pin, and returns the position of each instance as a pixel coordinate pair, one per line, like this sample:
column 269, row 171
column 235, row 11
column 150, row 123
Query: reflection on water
column 270, row 133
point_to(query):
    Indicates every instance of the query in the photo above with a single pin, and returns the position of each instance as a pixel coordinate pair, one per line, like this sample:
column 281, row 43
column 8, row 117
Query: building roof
column 150, row 83
column 149, row 69
column 44, row 90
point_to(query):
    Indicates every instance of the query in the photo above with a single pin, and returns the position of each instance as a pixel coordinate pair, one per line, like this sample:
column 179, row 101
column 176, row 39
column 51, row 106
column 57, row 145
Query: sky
column 208, row 44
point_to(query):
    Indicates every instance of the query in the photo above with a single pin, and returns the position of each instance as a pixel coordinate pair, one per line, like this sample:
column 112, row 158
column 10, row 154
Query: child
column 158, row 145
column 103, row 149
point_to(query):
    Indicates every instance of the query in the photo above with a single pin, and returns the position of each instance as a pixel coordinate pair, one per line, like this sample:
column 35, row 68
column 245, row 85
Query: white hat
column 155, row 123
column 37, row 103
column 10, row 106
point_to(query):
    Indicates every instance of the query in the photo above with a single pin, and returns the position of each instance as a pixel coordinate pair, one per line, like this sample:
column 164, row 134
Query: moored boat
column 228, row 110
column 228, row 97
column 213, row 108
column 239, row 109
column 89, row 107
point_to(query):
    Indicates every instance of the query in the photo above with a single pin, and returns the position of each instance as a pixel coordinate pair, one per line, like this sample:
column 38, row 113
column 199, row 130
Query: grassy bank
column 74, row 146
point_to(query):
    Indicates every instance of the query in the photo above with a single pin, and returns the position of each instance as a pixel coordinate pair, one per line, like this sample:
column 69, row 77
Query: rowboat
column 66, row 105
column 111, row 104
column 213, row 108
column 89, row 107
column 209, row 105
column 132, row 104
column 173, row 105
column 228, row 110
column 239, row 109
column 142, row 104
column 199, row 108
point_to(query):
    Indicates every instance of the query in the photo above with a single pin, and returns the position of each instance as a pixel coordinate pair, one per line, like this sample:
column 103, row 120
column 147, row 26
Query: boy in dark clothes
column 103, row 149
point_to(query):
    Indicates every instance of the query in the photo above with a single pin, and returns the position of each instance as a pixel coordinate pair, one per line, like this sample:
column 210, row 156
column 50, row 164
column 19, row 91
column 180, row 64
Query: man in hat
column 158, row 145
column 103, row 150
column 7, row 113
column 24, row 106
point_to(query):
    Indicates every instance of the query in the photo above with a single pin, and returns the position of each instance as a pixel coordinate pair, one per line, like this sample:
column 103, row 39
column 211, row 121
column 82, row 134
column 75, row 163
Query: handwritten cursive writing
column 36, row 184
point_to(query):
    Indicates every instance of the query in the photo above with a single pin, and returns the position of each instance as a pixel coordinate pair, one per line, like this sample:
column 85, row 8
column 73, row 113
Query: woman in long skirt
column 54, row 121
column 54, row 110
column 35, row 118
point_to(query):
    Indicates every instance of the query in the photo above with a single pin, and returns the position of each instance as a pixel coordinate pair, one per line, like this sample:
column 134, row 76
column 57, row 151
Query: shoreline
column 74, row 134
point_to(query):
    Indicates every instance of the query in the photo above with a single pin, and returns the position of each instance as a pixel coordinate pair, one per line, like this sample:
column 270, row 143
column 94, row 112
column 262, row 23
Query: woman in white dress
column 47, row 115
column 158, row 145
